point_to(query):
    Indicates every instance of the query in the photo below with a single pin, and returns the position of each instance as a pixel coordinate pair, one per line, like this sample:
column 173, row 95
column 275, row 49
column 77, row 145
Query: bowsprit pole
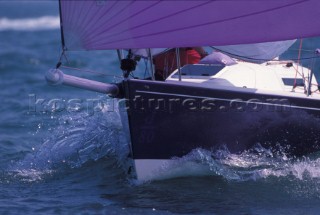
column 57, row 77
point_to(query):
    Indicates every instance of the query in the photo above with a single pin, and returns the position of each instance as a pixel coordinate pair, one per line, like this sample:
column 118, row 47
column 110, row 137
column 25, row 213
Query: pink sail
column 123, row 24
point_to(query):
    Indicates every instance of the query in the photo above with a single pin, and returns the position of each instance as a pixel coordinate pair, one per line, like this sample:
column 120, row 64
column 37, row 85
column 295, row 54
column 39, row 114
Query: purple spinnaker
column 99, row 25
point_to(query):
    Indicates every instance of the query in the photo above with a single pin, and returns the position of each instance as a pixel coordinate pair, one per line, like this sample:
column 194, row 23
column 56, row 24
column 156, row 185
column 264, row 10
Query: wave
column 256, row 164
column 79, row 140
column 30, row 24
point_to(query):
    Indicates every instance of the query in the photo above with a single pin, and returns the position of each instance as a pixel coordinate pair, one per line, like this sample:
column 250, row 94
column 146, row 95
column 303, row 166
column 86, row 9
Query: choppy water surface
column 72, row 161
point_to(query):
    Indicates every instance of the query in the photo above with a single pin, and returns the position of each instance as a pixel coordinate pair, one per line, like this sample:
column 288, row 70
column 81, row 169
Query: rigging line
column 90, row 71
column 146, row 68
column 304, row 50
column 311, row 76
column 299, row 54
column 304, row 78
column 63, row 54
column 313, row 63
column 257, row 59
column 146, row 61
column 132, row 75
column 298, row 61
column 206, row 24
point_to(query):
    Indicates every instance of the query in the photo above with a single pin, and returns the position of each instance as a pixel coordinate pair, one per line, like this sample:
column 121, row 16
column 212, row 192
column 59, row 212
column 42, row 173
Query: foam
column 247, row 166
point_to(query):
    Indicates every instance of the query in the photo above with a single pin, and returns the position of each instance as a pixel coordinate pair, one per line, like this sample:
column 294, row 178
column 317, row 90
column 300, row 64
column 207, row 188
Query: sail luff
column 169, row 23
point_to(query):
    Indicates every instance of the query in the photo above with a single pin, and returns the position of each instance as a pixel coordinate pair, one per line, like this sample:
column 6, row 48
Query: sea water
column 57, row 157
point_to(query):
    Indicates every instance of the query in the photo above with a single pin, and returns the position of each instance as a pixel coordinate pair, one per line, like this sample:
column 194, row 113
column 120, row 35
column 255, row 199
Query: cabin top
column 274, row 76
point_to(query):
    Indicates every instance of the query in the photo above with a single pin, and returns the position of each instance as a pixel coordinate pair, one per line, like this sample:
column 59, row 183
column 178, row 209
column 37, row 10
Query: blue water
column 70, row 160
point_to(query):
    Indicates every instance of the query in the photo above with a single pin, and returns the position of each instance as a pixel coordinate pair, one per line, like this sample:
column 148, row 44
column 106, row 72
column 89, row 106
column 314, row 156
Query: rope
column 312, row 68
column 146, row 68
column 304, row 50
column 304, row 79
column 63, row 54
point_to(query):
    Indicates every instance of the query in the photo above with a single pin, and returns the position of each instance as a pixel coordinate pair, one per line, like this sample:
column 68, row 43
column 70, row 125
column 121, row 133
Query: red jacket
column 166, row 62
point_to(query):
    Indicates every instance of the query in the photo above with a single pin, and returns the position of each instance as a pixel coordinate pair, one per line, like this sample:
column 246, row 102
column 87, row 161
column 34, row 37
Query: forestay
column 114, row 24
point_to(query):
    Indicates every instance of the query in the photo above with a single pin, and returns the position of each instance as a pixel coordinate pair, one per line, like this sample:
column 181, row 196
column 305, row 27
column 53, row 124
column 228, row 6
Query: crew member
column 165, row 63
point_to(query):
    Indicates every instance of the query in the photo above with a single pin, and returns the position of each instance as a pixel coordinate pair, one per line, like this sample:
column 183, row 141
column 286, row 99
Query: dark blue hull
column 169, row 120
